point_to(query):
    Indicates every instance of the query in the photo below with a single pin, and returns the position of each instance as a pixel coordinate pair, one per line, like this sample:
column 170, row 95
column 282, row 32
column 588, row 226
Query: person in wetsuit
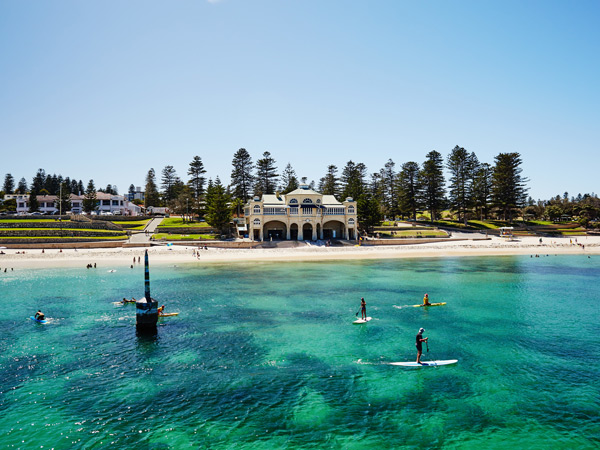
column 419, row 344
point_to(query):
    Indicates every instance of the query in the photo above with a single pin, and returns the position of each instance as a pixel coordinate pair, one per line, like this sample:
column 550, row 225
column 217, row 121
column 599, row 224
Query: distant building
column 107, row 203
column 138, row 194
column 303, row 214
column 110, row 203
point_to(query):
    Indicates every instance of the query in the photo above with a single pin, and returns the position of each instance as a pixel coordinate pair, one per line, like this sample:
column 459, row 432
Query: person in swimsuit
column 363, row 308
column 419, row 344
column 161, row 310
column 40, row 315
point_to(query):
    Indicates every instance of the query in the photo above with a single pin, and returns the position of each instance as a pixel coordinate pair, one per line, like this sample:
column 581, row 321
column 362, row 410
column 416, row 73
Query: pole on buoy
column 146, row 309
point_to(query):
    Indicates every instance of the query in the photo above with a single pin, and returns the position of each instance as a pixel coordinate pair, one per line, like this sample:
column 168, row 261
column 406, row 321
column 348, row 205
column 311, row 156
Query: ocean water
column 265, row 356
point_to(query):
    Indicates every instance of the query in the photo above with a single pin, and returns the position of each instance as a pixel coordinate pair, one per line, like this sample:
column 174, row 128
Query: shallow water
column 264, row 355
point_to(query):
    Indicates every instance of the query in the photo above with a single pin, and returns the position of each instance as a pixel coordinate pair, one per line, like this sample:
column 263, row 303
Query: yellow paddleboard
column 431, row 304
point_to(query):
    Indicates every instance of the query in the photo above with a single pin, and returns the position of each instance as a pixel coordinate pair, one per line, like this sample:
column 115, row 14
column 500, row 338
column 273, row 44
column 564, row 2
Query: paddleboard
column 425, row 363
column 431, row 304
column 359, row 321
column 37, row 320
column 168, row 314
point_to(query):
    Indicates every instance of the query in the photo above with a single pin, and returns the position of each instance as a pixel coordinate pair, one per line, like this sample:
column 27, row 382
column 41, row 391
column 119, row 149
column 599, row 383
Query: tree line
column 473, row 190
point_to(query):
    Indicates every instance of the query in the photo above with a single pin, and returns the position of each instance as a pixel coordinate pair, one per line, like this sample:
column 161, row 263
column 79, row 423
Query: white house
column 108, row 203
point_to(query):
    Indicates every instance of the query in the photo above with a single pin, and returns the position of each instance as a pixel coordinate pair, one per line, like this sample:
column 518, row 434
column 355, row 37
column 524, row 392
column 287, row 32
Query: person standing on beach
column 363, row 308
column 419, row 344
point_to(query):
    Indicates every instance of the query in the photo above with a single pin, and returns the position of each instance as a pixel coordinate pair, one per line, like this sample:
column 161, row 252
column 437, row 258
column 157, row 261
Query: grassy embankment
column 133, row 225
column 170, row 229
column 60, row 231
column 176, row 222
column 520, row 228
column 183, row 237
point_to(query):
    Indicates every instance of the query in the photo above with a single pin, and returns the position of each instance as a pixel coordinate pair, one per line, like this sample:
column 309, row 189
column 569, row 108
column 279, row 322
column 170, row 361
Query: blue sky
column 108, row 89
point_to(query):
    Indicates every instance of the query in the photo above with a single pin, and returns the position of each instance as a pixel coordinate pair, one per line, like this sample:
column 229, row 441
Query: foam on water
column 266, row 356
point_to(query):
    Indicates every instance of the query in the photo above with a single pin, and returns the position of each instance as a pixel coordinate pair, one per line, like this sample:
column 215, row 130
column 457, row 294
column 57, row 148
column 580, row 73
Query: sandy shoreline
column 123, row 257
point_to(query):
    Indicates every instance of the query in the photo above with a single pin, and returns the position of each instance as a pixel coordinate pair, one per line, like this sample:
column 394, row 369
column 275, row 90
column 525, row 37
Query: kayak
column 37, row 320
column 168, row 314
column 431, row 304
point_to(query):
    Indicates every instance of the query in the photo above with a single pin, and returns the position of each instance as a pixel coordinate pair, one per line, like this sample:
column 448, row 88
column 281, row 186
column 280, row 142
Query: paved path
column 142, row 238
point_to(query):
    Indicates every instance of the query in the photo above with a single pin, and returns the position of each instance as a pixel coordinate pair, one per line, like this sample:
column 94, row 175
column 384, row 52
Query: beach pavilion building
column 301, row 215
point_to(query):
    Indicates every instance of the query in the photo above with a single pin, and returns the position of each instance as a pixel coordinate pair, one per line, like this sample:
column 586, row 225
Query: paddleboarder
column 419, row 344
column 363, row 308
column 426, row 300
column 39, row 315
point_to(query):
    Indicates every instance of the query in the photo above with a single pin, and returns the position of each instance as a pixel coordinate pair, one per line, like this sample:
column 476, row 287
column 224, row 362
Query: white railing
column 274, row 212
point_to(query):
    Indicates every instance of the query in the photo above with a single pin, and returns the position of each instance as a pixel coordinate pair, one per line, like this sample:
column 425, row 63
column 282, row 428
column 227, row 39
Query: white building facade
column 303, row 214
column 107, row 203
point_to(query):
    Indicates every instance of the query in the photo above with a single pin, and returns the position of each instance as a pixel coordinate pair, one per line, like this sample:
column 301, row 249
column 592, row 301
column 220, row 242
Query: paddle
column 427, row 345
column 357, row 312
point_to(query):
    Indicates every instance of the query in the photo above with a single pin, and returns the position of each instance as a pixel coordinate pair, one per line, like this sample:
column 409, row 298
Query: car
column 36, row 213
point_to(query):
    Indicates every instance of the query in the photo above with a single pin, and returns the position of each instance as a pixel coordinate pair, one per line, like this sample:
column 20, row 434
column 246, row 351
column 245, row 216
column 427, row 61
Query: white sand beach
column 122, row 258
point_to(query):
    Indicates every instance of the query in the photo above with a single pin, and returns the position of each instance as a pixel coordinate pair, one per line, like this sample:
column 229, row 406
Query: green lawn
column 539, row 222
column 490, row 224
column 30, row 221
column 415, row 234
column 182, row 237
column 58, row 229
column 177, row 222
column 132, row 222
column 135, row 225
column 66, row 238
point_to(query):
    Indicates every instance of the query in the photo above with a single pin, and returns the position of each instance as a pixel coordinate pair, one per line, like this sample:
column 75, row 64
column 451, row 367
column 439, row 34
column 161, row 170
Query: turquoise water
column 264, row 355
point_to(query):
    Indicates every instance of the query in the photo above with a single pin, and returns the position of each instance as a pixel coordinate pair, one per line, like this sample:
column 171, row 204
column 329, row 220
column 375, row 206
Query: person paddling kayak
column 39, row 315
column 363, row 308
column 419, row 344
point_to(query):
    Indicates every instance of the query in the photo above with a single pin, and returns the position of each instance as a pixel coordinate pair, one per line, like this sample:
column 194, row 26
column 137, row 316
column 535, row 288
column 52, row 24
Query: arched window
column 294, row 201
column 350, row 209
column 307, row 200
column 256, row 221
column 256, row 209
column 318, row 201
column 350, row 221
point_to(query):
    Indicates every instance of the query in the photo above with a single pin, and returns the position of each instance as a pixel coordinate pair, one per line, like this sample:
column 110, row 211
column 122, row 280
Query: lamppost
column 60, row 209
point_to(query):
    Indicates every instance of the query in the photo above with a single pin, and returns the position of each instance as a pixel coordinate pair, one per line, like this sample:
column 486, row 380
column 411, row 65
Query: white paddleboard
column 425, row 363
column 359, row 321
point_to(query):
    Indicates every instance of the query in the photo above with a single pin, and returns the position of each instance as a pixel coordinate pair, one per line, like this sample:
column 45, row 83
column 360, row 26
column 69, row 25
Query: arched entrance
column 333, row 230
column 274, row 231
column 294, row 232
column 307, row 232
